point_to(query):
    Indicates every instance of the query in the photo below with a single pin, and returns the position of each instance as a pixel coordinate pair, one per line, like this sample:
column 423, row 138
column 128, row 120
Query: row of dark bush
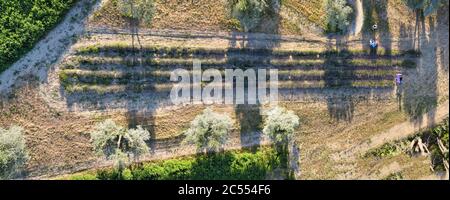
column 183, row 52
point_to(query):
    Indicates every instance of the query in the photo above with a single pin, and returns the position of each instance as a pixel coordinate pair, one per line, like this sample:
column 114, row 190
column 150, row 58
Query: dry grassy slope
column 55, row 140
column 299, row 17
column 318, row 145
column 171, row 14
column 296, row 18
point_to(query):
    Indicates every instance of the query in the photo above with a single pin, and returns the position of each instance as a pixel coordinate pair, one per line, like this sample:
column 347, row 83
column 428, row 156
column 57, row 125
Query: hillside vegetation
column 23, row 23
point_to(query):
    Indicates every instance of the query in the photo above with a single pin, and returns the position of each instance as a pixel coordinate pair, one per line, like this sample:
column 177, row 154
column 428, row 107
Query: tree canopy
column 13, row 154
column 113, row 141
column 249, row 12
column 140, row 10
column 209, row 131
column 337, row 17
column 280, row 125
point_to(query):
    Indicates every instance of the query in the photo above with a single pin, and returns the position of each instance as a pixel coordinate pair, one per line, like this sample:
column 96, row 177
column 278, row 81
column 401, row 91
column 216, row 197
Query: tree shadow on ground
column 420, row 92
column 260, row 45
column 340, row 105
column 375, row 13
column 250, row 120
column 146, row 120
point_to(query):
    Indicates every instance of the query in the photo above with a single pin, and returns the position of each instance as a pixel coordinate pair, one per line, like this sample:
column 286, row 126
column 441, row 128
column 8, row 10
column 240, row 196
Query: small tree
column 280, row 126
column 249, row 12
column 13, row 154
column 137, row 12
column 119, row 144
column 209, row 131
column 337, row 15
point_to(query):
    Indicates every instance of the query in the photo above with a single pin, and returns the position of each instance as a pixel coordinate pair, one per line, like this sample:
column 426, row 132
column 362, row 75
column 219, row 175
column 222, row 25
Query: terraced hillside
column 116, row 75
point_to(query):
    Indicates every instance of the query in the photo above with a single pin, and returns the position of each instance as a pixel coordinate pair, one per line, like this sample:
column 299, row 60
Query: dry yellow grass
column 198, row 15
column 312, row 9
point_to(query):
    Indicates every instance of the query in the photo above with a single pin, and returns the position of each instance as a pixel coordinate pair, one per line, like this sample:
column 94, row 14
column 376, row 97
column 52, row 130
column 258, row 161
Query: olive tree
column 249, row 12
column 13, row 154
column 119, row 144
column 280, row 126
column 209, row 131
column 137, row 12
column 337, row 15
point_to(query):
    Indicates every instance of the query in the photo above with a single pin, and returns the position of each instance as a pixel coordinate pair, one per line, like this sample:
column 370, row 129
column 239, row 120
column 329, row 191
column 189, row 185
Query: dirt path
column 49, row 50
column 359, row 18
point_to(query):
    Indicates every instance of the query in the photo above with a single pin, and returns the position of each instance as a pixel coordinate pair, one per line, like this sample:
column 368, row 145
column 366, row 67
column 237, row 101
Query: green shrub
column 387, row 150
column 83, row 177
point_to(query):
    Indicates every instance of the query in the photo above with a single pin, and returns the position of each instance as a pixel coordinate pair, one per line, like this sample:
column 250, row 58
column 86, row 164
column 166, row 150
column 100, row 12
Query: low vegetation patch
column 432, row 142
column 233, row 165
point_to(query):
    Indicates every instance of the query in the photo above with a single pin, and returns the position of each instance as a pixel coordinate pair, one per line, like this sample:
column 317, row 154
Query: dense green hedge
column 24, row 22
column 222, row 166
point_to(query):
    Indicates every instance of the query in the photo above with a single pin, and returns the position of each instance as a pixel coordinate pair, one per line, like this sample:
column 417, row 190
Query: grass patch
column 312, row 9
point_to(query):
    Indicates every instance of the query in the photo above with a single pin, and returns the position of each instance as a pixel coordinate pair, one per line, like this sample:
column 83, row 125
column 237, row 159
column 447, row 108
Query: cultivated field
column 344, row 93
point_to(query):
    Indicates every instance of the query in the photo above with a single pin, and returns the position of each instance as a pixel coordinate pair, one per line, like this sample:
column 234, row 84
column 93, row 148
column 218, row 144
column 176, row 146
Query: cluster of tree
column 23, row 23
column 250, row 12
column 337, row 15
column 434, row 143
column 209, row 132
column 13, row 154
column 140, row 10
